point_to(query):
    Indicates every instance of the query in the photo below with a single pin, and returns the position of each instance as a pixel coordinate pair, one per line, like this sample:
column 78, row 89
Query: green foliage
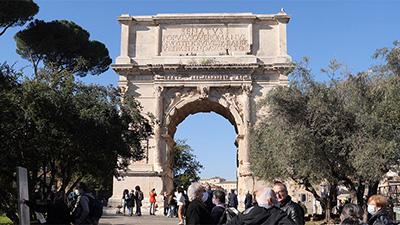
column 16, row 13
column 64, row 45
column 70, row 129
column 345, row 130
column 4, row 220
column 186, row 167
column 391, row 56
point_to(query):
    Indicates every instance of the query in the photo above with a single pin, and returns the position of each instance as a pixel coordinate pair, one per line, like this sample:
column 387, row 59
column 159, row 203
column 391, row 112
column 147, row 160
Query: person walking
column 180, row 199
column 152, row 195
column 138, row 199
column 377, row 205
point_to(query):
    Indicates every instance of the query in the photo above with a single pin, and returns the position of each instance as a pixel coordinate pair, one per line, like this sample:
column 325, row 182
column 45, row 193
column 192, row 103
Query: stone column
column 157, row 131
column 125, row 21
column 247, row 90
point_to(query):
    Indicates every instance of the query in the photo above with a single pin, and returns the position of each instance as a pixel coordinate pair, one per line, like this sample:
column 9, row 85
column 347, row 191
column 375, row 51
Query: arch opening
column 197, row 106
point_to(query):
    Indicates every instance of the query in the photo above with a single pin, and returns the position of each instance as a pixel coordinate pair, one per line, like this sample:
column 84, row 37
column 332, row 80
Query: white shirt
column 180, row 199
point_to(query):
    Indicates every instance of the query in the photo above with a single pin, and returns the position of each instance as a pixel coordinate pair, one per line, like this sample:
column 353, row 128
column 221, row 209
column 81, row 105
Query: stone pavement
column 110, row 217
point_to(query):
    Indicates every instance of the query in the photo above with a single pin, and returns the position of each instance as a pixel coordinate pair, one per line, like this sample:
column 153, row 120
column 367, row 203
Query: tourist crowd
column 201, row 205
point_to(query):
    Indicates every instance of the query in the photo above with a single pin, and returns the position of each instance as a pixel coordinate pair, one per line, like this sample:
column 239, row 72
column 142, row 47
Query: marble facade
column 181, row 64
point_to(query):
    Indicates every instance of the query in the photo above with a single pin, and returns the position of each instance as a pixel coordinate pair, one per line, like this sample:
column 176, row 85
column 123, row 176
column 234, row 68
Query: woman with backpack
column 152, row 195
column 138, row 199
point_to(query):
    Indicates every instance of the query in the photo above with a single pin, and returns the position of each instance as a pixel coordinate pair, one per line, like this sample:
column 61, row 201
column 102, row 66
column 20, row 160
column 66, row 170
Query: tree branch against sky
column 64, row 45
column 339, row 131
column 186, row 167
column 16, row 13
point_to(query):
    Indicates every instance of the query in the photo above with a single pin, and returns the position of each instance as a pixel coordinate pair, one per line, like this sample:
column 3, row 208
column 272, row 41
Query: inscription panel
column 203, row 40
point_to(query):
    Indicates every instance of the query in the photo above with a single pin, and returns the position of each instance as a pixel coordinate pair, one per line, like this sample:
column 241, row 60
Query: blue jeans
column 126, row 206
column 171, row 211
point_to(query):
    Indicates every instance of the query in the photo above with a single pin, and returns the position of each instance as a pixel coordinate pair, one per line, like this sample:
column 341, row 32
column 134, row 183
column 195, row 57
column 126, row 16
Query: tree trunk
column 328, row 210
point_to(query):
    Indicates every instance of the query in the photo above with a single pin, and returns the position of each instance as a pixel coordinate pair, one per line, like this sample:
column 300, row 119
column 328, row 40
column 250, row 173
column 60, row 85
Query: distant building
column 219, row 182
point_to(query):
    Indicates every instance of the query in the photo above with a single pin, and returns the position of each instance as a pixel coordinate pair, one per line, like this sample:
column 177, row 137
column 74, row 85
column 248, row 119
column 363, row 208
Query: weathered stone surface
column 180, row 64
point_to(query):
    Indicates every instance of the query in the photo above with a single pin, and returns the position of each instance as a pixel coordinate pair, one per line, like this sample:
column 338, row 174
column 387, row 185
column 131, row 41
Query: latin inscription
column 206, row 39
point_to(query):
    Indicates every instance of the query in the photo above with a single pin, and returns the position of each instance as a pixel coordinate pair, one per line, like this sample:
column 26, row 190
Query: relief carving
column 204, row 91
column 247, row 89
column 158, row 90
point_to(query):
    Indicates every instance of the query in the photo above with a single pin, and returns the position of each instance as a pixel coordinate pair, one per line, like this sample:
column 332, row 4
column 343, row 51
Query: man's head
column 280, row 191
column 266, row 197
column 81, row 187
column 195, row 191
column 219, row 197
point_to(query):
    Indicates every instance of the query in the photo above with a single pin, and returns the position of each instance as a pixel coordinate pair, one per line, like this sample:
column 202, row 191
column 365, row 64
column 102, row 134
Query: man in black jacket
column 265, row 212
column 197, row 212
column 248, row 200
column 292, row 209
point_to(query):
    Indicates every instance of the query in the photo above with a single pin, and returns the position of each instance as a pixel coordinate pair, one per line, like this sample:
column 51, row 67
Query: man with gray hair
column 265, row 212
column 292, row 209
column 197, row 212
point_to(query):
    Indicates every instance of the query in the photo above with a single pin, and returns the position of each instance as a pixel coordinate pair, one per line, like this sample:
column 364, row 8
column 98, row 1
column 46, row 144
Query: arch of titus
column 181, row 64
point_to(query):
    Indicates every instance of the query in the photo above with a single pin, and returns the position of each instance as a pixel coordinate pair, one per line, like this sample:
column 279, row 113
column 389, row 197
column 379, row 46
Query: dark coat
column 233, row 202
column 293, row 210
column 380, row 218
column 262, row 216
column 248, row 201
column 208, row 203
column 217, row 212
column 131, row 200
column 198, row 214
column 57, row 213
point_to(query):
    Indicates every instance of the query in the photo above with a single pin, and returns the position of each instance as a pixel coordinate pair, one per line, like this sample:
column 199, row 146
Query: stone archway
column 180, row 64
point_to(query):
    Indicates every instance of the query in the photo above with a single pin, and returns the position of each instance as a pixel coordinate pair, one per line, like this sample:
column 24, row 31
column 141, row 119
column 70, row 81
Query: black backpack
column 140, row 195
column 95, row 208
column 228, row 215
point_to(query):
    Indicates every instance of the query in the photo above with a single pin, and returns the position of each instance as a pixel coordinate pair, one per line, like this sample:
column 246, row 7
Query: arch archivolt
column 225, row 101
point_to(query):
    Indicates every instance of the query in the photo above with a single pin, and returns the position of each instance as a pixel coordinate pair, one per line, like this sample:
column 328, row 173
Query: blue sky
column 349, row 30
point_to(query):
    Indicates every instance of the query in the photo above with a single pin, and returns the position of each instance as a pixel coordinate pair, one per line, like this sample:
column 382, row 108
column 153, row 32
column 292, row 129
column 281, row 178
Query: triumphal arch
column 181, row 64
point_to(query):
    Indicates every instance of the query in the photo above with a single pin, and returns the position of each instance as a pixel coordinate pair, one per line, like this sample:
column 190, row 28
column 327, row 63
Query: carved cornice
column 124, row 69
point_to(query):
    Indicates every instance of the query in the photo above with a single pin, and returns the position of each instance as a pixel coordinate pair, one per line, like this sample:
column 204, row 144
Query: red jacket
column 152, row 197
